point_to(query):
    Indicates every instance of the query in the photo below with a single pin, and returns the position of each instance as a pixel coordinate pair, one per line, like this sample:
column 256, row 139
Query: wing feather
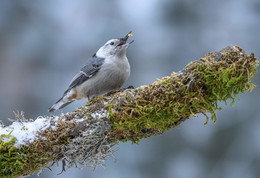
column 91, row 67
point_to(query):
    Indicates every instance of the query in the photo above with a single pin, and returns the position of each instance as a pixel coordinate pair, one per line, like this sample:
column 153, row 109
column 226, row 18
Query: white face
column 113, row 47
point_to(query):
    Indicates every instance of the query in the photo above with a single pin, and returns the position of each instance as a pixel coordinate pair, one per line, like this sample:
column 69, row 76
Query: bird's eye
column 112, row 43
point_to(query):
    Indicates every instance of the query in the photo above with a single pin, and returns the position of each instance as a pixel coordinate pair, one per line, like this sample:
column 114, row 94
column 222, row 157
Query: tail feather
column 59, row 105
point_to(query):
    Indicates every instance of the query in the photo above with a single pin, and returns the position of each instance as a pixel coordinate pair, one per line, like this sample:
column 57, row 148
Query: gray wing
column 92, row 66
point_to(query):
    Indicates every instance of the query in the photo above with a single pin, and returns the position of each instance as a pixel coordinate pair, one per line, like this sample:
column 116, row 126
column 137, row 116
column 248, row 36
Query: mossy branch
column 86, row 135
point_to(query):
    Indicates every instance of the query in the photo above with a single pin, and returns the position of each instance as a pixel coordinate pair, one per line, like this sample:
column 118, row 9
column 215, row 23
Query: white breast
column 117, row 70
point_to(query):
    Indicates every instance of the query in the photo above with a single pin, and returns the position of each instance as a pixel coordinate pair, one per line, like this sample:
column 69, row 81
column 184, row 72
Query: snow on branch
column 87, row 135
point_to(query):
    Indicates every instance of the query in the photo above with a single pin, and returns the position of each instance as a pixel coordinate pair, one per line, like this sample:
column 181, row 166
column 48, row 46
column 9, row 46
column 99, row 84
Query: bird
column 105, row 71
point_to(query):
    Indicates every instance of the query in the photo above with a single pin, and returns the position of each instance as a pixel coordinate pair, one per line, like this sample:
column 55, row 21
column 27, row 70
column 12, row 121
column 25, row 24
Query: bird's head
column 115, row 47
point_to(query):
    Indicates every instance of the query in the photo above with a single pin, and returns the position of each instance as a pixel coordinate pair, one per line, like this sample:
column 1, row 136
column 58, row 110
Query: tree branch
column 87, row 135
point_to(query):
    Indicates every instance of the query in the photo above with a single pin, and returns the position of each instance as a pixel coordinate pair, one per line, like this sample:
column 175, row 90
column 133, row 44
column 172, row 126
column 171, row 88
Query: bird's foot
column 130, row 87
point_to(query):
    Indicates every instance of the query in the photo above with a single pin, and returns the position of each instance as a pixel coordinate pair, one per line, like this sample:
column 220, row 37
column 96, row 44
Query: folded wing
column 92, row 66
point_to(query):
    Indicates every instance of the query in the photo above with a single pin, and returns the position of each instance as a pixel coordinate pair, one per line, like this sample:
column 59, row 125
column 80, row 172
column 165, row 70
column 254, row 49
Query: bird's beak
column 123, row 40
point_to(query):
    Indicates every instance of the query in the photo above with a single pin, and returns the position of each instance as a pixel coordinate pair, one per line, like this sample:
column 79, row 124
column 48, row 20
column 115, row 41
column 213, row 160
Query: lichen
column 92, row 146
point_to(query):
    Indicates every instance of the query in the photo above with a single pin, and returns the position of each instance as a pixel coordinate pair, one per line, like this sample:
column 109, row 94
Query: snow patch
column 26, row 132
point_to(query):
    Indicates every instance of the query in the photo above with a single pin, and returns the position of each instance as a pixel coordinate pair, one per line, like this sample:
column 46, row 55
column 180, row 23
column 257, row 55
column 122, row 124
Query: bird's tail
column 61, row 103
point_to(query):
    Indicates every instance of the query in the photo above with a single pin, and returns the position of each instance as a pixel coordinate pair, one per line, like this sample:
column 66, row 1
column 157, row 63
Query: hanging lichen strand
column 87, row 135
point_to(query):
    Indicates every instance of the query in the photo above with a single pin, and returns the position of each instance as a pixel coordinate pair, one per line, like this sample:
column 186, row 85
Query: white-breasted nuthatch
column 106, row 70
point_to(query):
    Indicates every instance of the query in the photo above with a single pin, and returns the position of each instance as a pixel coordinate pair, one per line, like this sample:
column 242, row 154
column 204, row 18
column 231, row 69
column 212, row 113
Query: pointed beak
column 123, row 40
column 126, row 37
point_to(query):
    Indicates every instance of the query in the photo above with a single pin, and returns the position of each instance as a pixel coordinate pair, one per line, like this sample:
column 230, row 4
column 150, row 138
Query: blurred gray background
column 44, row 43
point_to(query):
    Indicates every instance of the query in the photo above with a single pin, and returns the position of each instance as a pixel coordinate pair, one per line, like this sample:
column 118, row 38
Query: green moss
column 160, row 106
column 12, row 158
column 17, row 162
